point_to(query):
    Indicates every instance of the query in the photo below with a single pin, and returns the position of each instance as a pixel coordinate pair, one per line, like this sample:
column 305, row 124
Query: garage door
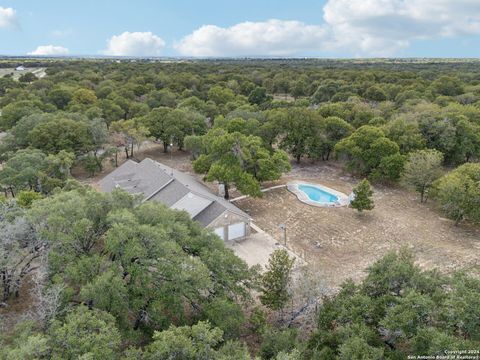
column 220, row 232
column 236, row 231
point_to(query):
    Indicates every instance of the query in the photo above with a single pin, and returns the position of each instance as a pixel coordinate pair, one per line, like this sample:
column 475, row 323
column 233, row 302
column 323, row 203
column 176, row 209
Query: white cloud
column 8, row 17
column 134, row 44
column 360, row 27
column 49, row 50
column 382, row 27
column 269, row 38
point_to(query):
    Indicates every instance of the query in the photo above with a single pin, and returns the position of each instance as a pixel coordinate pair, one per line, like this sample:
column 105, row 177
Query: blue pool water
column 316, row 194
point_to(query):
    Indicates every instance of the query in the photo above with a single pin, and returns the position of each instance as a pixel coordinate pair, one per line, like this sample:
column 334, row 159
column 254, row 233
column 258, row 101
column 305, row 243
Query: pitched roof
column 177, row 190
column 213, row 211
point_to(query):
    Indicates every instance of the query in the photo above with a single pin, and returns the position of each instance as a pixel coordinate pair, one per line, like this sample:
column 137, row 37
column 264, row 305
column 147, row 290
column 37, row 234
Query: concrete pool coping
column 292, row 186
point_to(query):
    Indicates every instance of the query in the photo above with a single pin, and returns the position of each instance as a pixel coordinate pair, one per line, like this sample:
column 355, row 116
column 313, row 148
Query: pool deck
column 292, row 186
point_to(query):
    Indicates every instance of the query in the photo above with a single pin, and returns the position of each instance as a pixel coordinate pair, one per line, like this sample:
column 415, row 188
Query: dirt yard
column 339, row 243
column 179, row 160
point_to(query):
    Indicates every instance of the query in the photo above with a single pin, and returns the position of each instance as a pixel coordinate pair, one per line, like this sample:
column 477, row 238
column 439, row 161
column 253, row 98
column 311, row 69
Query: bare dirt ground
column 39, row 72
column 339, row 243
column 179, row 160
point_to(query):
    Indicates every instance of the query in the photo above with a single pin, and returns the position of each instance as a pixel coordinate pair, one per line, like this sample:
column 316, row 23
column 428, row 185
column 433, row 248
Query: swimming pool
column 317, row 195
column 314, row 193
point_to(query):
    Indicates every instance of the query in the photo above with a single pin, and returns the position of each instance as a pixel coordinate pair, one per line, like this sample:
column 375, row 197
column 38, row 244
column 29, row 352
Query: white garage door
column 236, row 231
column 220, row 232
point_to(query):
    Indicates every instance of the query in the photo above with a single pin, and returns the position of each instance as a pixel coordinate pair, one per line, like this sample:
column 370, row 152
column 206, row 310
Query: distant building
column 180, row 191
column 20, row 68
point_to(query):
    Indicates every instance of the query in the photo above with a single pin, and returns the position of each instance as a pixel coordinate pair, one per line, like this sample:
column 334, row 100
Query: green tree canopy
column 362, row 196
column 234, row 158
column 397, row 310
column 365, row 149
column 147, row 265
column 86, row 334
column 276, row 280
column 459, row 193
column 422, row 169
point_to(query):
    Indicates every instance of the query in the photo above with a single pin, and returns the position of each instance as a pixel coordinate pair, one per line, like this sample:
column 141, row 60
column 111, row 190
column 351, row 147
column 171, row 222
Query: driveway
column 256, row 248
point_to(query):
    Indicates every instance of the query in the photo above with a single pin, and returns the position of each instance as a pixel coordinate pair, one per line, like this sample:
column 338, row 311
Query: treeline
column 373, row 115
column 115, row 279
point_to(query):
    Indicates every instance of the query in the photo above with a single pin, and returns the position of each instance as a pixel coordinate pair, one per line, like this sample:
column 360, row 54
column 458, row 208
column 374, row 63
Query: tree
column 99, row 136
column 239, row 159
column 98, row 249
column 467, row 141
column 357, row 348
column 365, row 149
column 405, row 133
column 85, row 334
column 459, row 193
column 20, row 250
column 172, row 125
column 422, row 169
column 14, row 111
column 194, row 144
column 300, row 88
column 375, row 93
column 258, row 96
column 325, row 92
column 220, row 95
column 448, row 86
column 132, row 132
column 226, row 315
column 439, row 133
column 110, row 111
column 276, row 280
column 27, row 77
column 24, row 342
column 31, row 169
column 60, row 97
column 362, row 196
column 200, row 341
column 61, row 134
column 84, row 97
column 390, row 168
column 278, row 341
column 160, row 98
column 108, row 292
column 25, row 198
column 300, row 130
column 334, row 129
column 18, row 136
column 398, row 309
column 22, row 170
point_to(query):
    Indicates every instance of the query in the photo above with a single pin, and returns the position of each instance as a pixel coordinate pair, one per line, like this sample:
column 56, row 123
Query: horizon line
column 249, row 57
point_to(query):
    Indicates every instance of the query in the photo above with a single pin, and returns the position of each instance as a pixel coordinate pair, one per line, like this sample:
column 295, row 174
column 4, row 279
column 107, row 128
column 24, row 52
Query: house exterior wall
column 229, row 218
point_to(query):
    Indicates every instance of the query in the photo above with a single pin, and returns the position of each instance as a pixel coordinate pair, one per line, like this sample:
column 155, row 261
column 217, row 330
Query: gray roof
column 213, row 211
column 192, row 203
column 171, row 193
column 158, row 182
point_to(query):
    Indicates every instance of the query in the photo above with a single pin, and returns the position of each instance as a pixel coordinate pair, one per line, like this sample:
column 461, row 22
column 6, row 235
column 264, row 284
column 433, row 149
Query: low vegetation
column 104, row 276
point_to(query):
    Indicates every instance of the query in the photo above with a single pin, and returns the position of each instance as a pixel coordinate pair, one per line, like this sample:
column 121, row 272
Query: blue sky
column 323, row 28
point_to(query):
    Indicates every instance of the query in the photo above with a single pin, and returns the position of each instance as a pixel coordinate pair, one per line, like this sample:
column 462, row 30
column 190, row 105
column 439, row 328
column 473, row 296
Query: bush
column 276, row 341
column 25, row 198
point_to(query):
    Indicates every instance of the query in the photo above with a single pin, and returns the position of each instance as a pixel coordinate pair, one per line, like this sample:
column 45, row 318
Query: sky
column 241, row 28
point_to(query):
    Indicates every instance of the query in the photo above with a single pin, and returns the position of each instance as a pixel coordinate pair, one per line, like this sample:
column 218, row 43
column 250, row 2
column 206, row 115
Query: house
column 180, row 191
